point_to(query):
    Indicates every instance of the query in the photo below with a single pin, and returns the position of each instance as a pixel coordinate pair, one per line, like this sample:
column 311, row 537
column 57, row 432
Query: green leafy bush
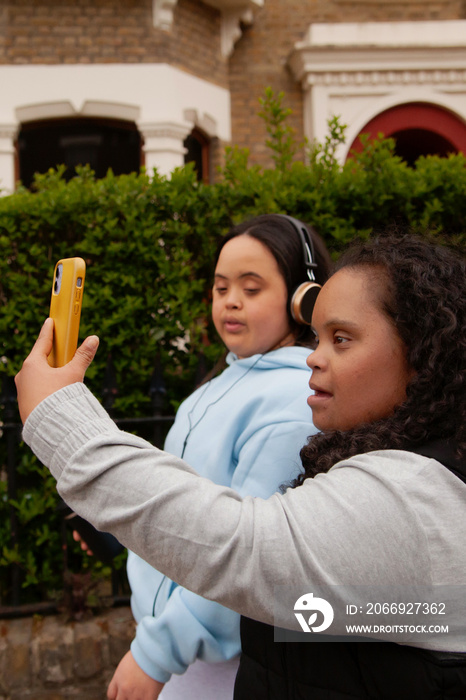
column 149, row 244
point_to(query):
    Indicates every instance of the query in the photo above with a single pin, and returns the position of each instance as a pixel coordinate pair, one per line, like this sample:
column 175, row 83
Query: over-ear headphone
column 304, row 296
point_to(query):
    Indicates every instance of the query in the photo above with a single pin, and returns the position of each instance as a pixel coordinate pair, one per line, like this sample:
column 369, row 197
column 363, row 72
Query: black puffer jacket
column 343, row 671
column 349, row 670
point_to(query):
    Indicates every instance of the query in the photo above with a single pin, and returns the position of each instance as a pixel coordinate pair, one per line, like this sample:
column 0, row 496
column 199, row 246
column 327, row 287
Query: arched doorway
column 100, row 143
column 419, row 129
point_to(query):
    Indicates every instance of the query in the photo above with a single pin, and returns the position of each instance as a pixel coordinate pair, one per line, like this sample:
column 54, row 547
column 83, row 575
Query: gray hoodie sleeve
column 206, row 537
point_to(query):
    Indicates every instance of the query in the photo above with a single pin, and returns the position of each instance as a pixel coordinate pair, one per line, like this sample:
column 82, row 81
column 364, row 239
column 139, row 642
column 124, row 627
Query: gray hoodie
column 381, row 519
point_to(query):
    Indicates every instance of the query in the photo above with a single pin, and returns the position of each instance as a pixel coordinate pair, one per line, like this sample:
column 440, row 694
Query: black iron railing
column 152, row 427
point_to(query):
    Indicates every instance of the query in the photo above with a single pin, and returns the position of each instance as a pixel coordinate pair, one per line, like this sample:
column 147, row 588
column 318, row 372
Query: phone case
column 65, row 308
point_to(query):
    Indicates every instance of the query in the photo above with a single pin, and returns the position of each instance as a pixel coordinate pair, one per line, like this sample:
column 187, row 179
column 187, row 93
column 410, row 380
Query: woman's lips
column 233, row 326
column 318, row 397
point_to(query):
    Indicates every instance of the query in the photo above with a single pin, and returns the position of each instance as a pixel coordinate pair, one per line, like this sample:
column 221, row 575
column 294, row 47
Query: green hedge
column 149, row 242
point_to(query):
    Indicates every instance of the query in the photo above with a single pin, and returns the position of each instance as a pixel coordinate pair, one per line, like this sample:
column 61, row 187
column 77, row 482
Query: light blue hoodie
column 243, row 429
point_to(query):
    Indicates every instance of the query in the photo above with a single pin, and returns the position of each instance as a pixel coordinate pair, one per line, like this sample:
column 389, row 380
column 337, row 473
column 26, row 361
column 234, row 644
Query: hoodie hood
column 293, row 356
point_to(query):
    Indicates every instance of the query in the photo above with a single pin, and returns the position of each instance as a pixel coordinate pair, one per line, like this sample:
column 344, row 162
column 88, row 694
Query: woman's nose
column 232, row 300
column 313, row 360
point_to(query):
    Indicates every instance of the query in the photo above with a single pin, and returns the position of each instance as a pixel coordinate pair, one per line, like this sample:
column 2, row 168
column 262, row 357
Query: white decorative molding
column 110, row 110
column 231, row 30
column 45, row 110
column 65, row 108
column 384, row 78
column 162, row 13
column 156, row 98
column 394, row 34
column 166, row 131
column 356, row 71
column 205, row 121
column 235, row 13
column 163, row 145
column 8, row 134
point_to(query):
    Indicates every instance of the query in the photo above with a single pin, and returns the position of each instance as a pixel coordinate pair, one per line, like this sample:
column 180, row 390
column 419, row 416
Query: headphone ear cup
column 302, row 302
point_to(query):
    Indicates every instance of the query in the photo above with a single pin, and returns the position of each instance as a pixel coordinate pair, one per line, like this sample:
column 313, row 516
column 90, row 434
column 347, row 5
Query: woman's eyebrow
column 250, row 274
column 336, row 323
column 241, row 276
column 339, row 322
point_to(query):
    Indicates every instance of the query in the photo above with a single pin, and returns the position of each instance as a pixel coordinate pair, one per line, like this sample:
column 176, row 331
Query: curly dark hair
column 425, row 299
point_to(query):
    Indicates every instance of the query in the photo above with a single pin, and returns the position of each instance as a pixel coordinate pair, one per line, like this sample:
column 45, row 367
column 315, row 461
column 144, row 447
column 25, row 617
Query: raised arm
column 206, row 537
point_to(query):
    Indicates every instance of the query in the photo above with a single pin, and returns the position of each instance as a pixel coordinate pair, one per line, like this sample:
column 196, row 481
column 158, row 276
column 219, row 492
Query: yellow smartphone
column 65, row 308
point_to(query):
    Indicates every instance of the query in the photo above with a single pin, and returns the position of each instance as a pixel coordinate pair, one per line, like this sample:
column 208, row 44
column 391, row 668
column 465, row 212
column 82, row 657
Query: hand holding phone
column 37, row 380
column 65, row 309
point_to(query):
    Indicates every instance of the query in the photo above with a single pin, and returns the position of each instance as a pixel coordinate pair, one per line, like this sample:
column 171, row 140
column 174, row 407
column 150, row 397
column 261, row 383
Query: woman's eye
column 339, row 339
column 252, row 291
column 220, row 290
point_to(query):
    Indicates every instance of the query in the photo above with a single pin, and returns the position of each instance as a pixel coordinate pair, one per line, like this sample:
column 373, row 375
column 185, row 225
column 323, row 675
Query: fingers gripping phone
column 65, row 308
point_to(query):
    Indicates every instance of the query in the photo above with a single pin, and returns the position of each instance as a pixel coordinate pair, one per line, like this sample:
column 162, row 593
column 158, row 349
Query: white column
column 8, row 134
column 163, row 145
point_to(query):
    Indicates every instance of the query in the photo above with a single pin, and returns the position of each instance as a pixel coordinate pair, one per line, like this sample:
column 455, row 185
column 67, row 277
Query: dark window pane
column 98, row 143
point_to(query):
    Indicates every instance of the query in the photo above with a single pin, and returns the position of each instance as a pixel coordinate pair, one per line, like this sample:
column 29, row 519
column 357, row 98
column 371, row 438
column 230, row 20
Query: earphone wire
column 192, row 427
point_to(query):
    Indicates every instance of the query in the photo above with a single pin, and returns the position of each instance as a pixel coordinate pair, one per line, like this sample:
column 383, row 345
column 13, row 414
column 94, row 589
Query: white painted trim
column 231, row 30
column 235, row 15
column 162, row 13
column 163, row 145
column 204, row 121
column 156, row 97
column 439, row 33
column 357, row 71
column 65, row 108
column 8, row 133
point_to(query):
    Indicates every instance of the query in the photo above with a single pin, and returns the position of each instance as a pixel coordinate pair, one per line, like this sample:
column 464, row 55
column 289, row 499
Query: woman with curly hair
column 425, row 302
column 380, row 505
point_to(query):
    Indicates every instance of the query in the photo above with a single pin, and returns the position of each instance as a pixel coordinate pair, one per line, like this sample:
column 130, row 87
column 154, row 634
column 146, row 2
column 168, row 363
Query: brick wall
column 111, row 31
column 260, row 55
column 47, row 658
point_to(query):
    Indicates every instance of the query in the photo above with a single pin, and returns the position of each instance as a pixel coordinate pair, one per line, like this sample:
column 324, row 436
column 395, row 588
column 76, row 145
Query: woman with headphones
column 265, row 283
column 377, row 514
